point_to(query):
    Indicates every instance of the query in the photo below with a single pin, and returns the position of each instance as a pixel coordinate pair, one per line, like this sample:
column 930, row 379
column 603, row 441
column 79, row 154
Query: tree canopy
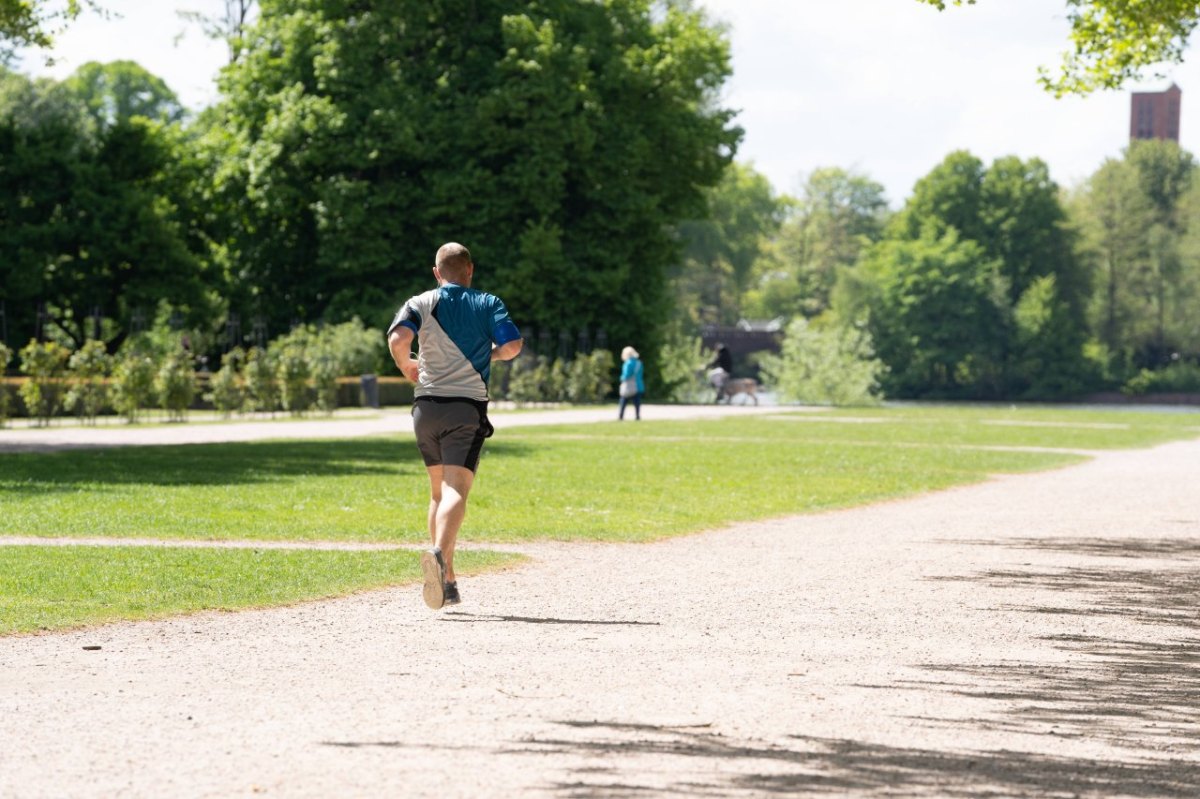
column 118, row 91
column 31, row 23
column 560, row 141
column 1137, row 216
column 1113, row 41
column 838, row 214
column 721, row 249
column 976, row 290
column 93, row 220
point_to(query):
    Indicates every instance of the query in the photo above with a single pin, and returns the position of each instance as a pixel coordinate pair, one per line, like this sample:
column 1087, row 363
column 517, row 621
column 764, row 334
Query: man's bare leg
column 435, row 496
column 449, row 487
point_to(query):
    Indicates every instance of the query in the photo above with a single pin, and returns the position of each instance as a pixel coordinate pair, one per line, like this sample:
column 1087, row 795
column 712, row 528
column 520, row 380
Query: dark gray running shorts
column 450, row 431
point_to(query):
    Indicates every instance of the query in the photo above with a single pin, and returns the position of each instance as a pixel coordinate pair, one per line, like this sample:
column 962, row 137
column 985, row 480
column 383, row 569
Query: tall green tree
column 1113, row 41
column 935, row 304
column 33, row 23
column 721, row 250
column 839, row 214
column 116, row 92
column 559, row 140
column 1139, row 218
column 1113, row 215
column 1012, row 211
column 91, row 218
column 1012, row 208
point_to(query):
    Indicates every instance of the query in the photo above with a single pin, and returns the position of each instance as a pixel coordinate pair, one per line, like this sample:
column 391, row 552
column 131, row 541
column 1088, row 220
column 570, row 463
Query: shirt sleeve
column 408, row 316
column 504, row 329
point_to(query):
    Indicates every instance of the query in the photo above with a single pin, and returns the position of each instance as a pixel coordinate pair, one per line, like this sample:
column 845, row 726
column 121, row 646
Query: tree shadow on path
column 705, row 763
column 1134, row 691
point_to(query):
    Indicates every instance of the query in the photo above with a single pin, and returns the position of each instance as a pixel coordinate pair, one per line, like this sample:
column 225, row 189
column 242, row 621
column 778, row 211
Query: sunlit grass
column 608, row 481
column 52, row 588
column 591, row 482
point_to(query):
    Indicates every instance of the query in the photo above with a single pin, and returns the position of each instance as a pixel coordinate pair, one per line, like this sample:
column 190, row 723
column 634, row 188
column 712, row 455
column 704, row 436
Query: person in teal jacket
column 633, row 385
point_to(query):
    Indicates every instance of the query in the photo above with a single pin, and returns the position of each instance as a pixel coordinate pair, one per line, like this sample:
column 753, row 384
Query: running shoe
column 451, row 593
column 434, row 570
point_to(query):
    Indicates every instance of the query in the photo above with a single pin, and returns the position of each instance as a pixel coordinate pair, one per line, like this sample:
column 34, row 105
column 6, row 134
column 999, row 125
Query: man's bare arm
column 508, row 351
column 400, row 344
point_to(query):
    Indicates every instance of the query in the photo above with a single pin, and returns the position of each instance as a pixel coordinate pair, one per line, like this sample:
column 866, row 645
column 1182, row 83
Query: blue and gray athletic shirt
column 456, row 328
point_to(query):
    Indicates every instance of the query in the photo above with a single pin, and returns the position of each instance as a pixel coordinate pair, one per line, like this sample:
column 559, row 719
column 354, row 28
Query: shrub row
column 587, row 378
column 295, row 373
column 1180, row 377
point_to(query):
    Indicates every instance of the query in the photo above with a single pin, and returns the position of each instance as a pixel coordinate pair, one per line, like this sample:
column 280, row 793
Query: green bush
column 501, row 373
column 309, row 360
column 133, row 383
column 324, row 378
column 825, row 366
column 536, row 378
column 589, row 377
column 1180, row 377
column 262, row 385
column 44, row 363
column 89, row 366
column 681, row 360
column 357, row 350
column 293, row 372
column 175, row 384
column 353, row 349
column 225, row 387
column 528, row 379
column 5, row 356
column 557, row 376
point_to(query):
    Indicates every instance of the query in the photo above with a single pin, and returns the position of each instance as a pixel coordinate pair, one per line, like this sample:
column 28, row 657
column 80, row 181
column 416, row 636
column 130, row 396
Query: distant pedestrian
column 460, row 331
column 720, row 369
column 633, row 384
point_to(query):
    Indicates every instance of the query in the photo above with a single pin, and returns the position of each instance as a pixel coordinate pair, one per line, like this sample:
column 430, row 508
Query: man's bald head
column 453, row 263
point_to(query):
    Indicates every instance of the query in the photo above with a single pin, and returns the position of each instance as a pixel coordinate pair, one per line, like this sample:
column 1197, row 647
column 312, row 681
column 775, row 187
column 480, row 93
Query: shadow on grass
column 700, row 761
column 216, row 464
column 1132, row 691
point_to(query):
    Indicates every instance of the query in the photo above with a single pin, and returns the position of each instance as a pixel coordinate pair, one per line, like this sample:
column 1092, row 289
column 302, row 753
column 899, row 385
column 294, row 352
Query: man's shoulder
column 482, row 299
column 423, row 298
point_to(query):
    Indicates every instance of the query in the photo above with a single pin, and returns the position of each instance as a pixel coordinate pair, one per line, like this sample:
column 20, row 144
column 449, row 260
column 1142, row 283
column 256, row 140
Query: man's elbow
column 509, row 350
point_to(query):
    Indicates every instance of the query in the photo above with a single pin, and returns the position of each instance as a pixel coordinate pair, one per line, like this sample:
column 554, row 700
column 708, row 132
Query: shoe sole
column 434, row 592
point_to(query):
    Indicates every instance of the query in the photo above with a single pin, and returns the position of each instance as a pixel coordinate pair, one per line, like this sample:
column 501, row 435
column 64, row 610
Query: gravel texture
column 1032, row 636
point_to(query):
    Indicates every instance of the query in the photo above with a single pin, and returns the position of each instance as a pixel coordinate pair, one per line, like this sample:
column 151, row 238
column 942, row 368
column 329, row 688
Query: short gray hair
column 452, row 256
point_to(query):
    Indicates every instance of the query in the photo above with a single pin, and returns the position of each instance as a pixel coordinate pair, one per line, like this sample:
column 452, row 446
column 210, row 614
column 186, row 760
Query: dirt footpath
column 1033, row 636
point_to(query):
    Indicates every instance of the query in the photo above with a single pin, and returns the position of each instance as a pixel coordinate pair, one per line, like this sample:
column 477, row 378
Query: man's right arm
column 400, row 343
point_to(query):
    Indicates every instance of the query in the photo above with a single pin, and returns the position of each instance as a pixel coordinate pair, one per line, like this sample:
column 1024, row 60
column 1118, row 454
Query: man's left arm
column 508, row 350
column 506, row 339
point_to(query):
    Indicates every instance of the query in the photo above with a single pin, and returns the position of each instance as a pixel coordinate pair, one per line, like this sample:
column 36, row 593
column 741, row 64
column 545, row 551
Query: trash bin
column 370, row 391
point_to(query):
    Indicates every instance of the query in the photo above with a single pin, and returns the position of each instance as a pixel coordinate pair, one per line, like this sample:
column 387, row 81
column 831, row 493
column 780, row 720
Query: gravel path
column 1032, row 636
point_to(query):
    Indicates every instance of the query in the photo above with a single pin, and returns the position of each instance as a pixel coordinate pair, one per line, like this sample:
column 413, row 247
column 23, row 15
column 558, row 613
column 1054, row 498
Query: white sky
column 887, row 87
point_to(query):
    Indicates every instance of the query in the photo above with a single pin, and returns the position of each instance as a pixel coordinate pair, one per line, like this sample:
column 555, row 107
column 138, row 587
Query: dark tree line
column 561, row 141
column 991, row 281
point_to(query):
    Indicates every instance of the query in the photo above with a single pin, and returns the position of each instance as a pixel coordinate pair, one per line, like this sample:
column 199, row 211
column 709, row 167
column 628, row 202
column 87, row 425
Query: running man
column 460, row 332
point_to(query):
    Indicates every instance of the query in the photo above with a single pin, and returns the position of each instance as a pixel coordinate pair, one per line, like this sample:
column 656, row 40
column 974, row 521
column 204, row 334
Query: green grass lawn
column 609, row 481
column 595, row 482
column 50, row 588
